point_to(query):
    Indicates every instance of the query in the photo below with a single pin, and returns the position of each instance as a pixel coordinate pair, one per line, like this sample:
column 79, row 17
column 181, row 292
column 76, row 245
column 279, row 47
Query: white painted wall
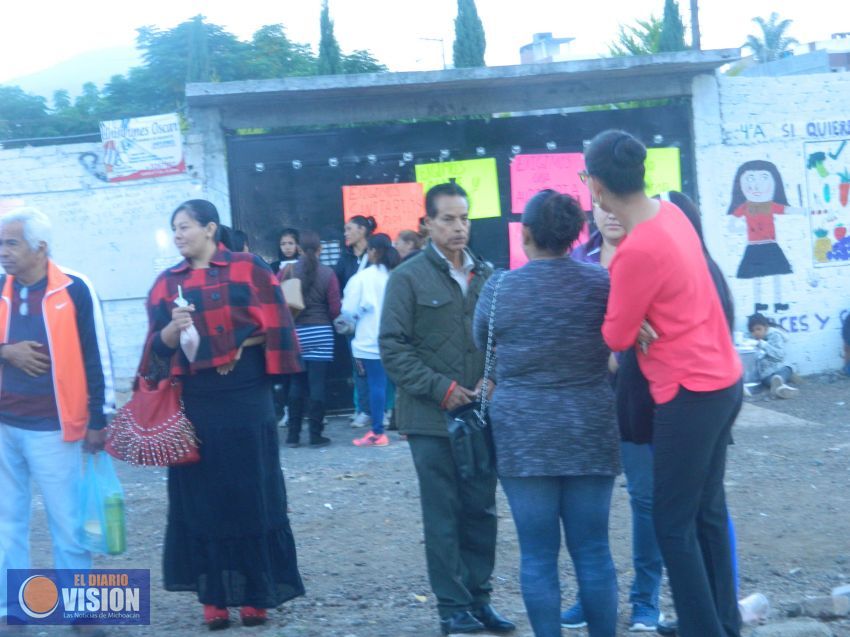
column 117, row 234
column 784, row 121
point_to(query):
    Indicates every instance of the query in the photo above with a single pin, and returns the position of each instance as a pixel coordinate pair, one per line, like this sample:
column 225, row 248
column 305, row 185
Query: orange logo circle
column 38, row 596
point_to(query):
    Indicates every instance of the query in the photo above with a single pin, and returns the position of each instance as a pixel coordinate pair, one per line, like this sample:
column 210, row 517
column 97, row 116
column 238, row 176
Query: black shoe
column 668, row 627
column 461, row 622
column 319, row 441
column 492, row 620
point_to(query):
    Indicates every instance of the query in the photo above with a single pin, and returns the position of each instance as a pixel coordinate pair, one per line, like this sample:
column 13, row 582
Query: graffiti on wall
column 828, row 185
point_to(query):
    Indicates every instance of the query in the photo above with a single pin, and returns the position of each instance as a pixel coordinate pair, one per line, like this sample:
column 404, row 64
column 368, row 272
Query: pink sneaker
column 372, row 440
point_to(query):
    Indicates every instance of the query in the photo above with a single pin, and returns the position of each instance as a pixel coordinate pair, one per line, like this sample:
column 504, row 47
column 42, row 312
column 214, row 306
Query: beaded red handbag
column 152, row 428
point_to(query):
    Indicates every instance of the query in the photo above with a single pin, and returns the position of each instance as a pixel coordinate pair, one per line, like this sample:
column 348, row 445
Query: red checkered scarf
column 237, row 297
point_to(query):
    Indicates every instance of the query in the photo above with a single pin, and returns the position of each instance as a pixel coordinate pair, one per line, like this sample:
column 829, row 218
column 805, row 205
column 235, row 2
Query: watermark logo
column 56, row 597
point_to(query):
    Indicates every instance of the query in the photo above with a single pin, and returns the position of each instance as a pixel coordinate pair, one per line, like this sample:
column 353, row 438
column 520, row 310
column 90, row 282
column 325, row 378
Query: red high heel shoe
column 253, row 616
column 216, row 618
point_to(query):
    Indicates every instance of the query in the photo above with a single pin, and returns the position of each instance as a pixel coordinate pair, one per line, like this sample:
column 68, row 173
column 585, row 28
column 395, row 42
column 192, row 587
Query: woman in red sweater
column 663, row 298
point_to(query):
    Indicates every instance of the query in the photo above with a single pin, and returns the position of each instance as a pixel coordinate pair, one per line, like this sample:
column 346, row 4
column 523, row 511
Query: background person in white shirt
column 362, row 302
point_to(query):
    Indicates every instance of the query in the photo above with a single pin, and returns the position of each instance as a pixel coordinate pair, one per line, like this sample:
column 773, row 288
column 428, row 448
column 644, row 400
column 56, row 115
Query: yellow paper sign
column 663, row 170
column 478, row 177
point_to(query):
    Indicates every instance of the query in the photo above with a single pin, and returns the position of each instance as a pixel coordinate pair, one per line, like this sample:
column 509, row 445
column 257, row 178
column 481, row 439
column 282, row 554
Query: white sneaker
column 646, row 626
column 786, row 391
column 361, row 420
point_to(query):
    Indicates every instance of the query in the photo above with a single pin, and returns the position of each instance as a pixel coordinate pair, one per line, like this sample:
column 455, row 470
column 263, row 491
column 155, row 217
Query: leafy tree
column 330, row 57
column 642, row 38
column 470, row 41
column 23, row 115
column 273, row 54
column 672, row 29
column 361, row 61
column 61, row 100
column 192, row 51
column 773, row 43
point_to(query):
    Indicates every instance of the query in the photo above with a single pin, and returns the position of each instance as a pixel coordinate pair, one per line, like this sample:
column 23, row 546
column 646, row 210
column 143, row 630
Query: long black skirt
column 228, row 536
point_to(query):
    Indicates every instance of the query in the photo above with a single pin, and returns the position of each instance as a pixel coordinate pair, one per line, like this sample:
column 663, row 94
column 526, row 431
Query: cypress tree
column 330, row 58
column 672, row 28
column 469, row 42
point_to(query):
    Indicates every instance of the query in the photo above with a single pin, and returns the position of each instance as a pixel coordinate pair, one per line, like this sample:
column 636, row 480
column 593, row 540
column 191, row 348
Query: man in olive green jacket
column 428, row 352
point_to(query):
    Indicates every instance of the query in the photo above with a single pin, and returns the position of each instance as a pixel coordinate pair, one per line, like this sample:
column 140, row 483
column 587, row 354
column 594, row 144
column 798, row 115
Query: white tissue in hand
column 189, row 342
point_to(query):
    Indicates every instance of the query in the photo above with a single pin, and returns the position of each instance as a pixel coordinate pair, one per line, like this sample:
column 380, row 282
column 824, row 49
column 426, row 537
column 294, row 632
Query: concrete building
column 826, row 56
column 545, row 48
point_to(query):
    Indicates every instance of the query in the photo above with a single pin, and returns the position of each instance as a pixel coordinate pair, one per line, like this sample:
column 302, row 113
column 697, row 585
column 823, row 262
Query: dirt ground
column 356, row 519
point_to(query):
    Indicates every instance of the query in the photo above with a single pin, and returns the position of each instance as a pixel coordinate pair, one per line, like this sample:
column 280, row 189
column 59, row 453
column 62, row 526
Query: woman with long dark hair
column 664, row 299
column 362, row 303
column 228, row 537
column 314, row 324
column 287, row 249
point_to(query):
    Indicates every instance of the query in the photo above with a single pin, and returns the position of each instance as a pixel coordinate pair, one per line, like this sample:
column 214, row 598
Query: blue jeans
column 56, row 467
column 376, row 380
column 646, row 556
column 540, row 505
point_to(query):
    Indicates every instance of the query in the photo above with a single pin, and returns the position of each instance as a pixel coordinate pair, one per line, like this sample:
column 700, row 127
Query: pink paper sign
column 517, row 254
column 559, row 171
column 518, row 258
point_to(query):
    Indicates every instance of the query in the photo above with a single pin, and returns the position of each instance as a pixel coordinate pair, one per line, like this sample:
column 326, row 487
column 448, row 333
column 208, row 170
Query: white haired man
column 51, row 392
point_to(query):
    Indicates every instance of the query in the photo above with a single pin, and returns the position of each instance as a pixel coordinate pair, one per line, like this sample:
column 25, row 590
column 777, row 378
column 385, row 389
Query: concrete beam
column 349, row 99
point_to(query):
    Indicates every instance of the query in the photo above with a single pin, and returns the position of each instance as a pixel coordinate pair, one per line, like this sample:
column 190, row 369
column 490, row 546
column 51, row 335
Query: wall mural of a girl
column 758, row 195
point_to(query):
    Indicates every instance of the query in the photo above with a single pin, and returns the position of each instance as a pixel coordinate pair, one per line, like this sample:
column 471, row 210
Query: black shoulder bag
column 470, row 433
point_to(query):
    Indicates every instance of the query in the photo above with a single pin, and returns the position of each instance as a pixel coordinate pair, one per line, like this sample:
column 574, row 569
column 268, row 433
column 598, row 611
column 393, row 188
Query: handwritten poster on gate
column 828, row 185
column 478, row 177
column 559, row 171
column 663, row 170
column 396, row 207
column 142, row 147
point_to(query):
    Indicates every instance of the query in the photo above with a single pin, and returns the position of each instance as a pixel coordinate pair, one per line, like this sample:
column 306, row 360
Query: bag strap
column 490, row 354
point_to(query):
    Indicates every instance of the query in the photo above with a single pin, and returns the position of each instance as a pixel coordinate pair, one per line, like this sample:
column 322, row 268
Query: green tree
column 273, row 54
column 330, row 57
column 772, row 43
column 23, row 115
column 642, row 38
column 61, row 100
column 361, row 61
column 672, row 29
column 470, row 41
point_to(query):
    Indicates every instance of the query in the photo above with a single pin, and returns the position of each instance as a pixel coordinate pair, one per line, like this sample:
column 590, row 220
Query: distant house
column 826, row 56
column 545, row 48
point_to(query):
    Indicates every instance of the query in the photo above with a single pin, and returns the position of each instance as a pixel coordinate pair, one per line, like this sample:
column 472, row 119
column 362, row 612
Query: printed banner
column 396, row 207
column 663, row 170
column 559, row 171
column 142, row 147
column 86, row 597
column 478, row 177
column 828, row 184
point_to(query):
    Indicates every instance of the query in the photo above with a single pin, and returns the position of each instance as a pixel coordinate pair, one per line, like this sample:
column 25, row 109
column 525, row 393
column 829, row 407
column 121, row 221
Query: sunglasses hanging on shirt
column 24, row 308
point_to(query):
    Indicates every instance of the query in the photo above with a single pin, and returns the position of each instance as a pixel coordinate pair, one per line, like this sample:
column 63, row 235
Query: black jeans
column 691, row 436
column 459, row 517
column 308, row 387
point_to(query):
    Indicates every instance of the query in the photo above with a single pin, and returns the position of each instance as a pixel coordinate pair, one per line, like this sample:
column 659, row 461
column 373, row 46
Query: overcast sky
column 35, row 34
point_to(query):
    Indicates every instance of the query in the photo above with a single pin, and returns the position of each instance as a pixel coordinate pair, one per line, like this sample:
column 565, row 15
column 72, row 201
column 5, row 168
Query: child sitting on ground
column 774, row 372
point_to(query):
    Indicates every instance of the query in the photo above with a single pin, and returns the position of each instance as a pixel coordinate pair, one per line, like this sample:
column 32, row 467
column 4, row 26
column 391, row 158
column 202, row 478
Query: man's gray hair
column 36, row 225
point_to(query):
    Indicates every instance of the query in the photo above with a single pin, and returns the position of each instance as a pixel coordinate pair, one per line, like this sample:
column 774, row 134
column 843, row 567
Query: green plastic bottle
column 116, row 538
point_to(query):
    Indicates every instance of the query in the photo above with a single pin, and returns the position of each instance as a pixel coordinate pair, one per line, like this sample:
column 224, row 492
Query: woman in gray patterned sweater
column 557, row 446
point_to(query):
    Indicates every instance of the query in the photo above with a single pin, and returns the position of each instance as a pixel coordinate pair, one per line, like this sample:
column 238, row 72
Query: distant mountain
column 92, row 66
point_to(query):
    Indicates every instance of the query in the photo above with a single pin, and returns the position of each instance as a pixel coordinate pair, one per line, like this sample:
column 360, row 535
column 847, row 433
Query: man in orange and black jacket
column 51, row 393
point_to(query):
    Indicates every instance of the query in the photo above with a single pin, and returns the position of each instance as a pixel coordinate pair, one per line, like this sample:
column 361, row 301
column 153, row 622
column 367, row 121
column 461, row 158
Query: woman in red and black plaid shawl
column 228, row 536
